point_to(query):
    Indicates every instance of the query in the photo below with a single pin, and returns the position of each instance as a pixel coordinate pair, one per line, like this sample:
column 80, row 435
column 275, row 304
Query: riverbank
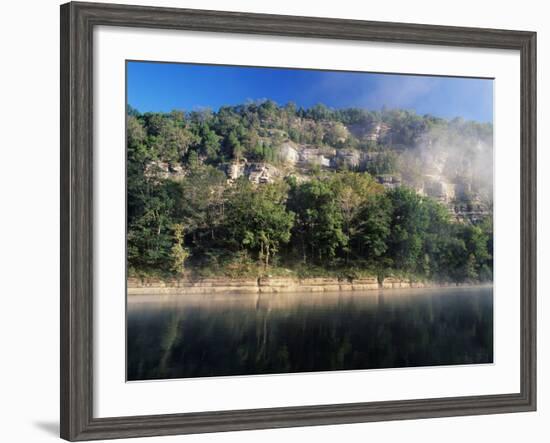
column 185, row 286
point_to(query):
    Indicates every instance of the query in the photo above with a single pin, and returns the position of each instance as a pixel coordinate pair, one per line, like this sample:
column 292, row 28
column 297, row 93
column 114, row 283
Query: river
column 242, row 334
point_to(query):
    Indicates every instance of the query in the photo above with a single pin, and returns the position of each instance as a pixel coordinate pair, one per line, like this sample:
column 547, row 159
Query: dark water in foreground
column 236, row 334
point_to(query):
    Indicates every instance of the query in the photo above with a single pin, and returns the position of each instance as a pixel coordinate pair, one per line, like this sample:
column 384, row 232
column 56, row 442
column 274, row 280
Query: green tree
column 336, row 134
column 373, row 229
column 351, row 192
column 319, row 221
column 234, row 146
column 200, row 203
column 408, row 227
column 174, row 141
column 209, row 143
column 149, row 226
column 257, row 219
column 175, row 178
column 135, row 132
column 178, row 253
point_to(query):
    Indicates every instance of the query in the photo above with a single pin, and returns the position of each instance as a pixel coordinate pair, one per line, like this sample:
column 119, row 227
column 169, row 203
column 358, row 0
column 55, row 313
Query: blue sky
column 162, row 87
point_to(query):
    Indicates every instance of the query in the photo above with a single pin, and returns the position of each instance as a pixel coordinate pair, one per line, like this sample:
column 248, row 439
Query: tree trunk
column 261, row 255
column 266, row 256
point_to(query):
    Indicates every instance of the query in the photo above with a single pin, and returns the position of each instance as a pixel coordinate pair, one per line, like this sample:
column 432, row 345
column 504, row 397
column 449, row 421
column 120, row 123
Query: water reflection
column 236, row 334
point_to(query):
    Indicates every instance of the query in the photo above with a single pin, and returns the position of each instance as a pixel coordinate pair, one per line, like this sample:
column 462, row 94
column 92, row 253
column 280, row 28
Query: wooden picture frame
column 77, row 23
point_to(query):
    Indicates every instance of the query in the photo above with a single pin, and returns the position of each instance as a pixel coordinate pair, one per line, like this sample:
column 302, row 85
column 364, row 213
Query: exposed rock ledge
column 185, row 286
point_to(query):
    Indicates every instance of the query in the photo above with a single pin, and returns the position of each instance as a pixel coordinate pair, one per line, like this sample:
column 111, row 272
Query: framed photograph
column 272, row 221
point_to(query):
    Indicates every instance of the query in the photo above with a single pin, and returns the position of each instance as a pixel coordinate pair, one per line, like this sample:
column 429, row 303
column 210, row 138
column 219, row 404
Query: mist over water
column 246, row 334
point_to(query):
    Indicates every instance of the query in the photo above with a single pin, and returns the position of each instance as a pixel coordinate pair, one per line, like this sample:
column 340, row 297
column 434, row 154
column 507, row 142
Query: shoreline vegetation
column 307, row 195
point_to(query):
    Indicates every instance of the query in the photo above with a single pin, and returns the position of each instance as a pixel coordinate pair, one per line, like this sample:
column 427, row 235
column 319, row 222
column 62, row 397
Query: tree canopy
column 334, row 221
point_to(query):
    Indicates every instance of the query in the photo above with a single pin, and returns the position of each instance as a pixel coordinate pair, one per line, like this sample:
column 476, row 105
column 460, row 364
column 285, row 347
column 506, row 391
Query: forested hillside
column 262, row 189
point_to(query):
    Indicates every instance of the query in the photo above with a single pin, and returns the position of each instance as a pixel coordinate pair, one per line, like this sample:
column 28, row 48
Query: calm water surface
column 237, row 334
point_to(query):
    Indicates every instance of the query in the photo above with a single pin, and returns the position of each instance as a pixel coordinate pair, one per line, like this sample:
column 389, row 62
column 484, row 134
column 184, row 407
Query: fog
column 454, row 157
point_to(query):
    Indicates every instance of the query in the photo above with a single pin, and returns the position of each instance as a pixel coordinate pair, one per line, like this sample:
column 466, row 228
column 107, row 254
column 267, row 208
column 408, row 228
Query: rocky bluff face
column 468, row 198
column 447, row 160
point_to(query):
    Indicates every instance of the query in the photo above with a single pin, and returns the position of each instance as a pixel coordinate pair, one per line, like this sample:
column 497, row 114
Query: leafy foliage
column 328, row 221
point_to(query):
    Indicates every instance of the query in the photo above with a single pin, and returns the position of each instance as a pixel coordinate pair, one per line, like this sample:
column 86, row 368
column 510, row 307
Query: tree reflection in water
column 238, row 334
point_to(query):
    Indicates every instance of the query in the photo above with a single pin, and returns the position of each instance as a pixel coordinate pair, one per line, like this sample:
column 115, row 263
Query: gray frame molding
column 77, row 23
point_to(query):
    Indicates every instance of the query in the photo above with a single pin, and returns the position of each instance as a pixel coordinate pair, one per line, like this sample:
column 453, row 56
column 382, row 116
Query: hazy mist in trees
column 341, row 221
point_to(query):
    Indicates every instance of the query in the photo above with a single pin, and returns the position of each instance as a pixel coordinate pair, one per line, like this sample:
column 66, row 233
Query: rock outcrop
column 187, row 286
